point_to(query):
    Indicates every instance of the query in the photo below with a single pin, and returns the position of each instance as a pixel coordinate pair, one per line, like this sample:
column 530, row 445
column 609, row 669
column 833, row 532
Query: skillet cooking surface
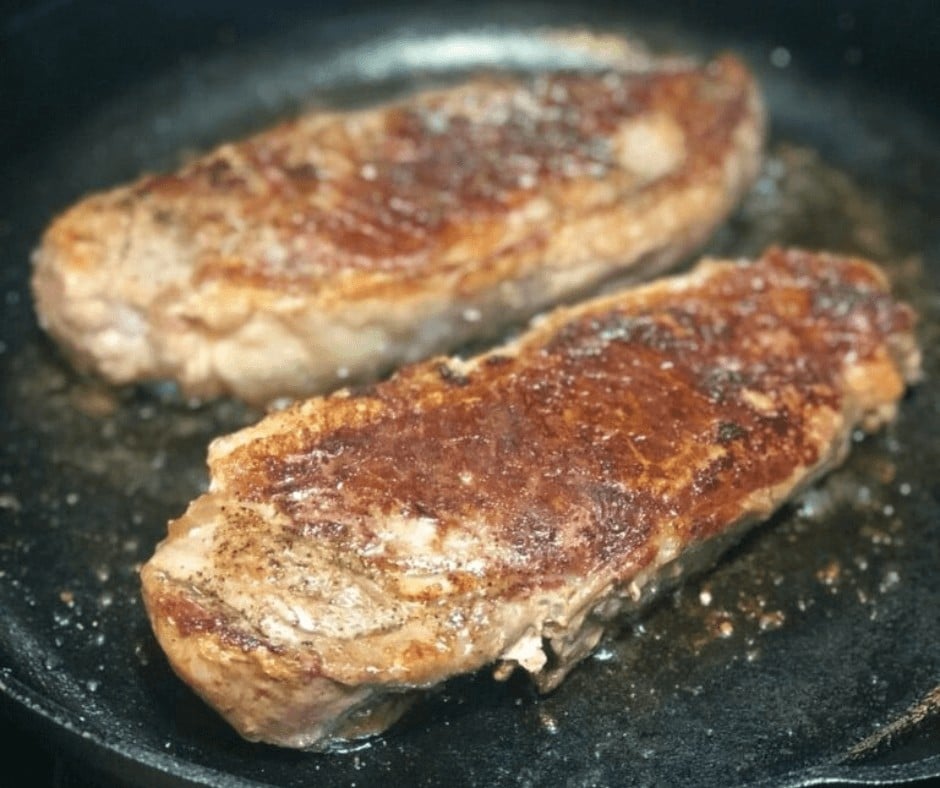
column 809, row 653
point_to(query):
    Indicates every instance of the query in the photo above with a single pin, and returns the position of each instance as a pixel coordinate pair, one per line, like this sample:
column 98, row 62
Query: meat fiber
column 356, row 549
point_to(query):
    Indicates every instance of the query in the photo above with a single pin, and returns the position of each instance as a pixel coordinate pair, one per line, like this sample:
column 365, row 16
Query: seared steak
column 501, row 511
column 336, row 246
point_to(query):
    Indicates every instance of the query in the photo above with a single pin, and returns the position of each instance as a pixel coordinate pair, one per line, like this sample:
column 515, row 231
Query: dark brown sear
column 504, row 510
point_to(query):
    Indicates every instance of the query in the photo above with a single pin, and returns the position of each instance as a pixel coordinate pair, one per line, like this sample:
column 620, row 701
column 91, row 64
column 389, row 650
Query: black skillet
column 811, row 654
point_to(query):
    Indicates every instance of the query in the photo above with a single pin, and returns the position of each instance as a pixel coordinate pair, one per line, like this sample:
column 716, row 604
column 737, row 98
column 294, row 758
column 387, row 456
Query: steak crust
column 334, row 247
column 502, row 511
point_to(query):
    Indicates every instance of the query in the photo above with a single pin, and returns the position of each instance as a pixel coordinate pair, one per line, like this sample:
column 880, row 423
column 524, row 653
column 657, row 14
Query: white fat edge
column 534, row 210
column 759, row 401
column 419, row 548
column 293, row 617
column 186, row 557
column 407, row 535
column 527, row 651
column 650, row 146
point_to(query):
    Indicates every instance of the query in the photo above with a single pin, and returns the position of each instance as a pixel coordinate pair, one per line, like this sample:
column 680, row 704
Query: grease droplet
column 771, row 620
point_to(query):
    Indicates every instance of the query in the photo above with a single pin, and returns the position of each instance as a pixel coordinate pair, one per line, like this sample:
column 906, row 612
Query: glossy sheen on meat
column 336, row 246
column 501, row 511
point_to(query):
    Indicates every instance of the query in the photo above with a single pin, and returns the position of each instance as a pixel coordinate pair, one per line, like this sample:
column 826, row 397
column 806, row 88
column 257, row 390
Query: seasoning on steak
column 336, row 246
column 502, row 511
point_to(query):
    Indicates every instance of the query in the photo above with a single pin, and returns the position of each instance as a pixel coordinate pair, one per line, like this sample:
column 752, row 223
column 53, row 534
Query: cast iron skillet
column 809, row 655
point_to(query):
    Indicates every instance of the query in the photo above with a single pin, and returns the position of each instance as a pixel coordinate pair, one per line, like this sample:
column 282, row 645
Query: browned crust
column 375, row 221
column 399, row 188
column 541, row 480
column 662, row 405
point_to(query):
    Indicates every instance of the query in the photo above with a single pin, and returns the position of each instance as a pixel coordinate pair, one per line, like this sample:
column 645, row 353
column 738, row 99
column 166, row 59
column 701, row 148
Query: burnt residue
column 730, row 431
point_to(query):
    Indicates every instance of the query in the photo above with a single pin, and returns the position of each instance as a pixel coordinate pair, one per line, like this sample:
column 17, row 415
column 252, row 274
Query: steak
column 336, row 246
column 502, row 511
